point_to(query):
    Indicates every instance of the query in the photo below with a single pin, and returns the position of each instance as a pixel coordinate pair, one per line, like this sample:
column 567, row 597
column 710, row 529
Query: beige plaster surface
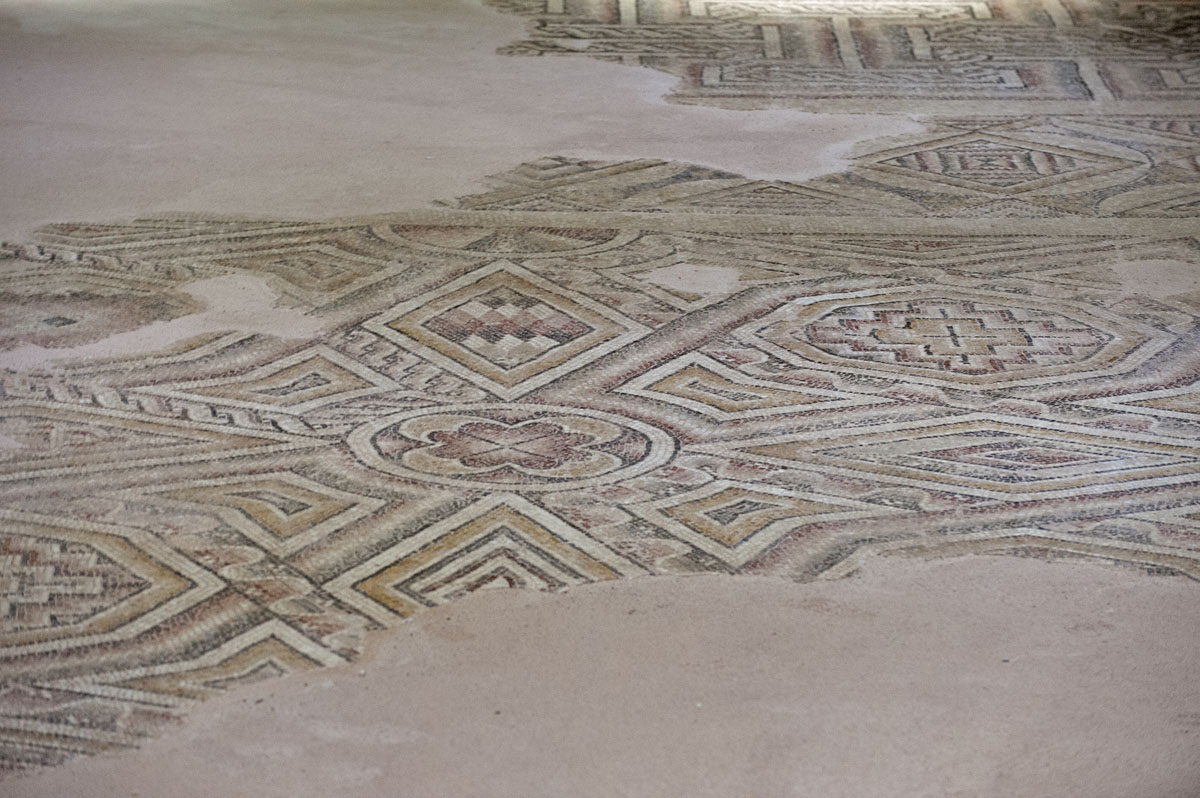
column 977, row 677
column 117, row 108
column 706, row 280
column 1159, row 277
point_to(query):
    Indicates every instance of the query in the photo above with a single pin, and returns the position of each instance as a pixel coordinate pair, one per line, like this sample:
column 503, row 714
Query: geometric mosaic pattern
column 990, row 458
column 662, row 393
column 704, row 385
column 52, row 584
column 952, row 340
column 993, row 163
column 955, row 335
column 536, row 447
column 1024, row 166
column 954, row 57
column 543, row 403
column 502, row 328
column 599, row 370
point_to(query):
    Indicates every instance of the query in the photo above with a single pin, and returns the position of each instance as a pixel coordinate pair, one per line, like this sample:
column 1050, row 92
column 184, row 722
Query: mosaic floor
column 596, row 370
column 953, row 56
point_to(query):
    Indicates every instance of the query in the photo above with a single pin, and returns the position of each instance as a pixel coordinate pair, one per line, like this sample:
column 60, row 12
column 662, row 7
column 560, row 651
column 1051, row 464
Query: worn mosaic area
column 992, row 56
column 1036, row 166
column 516, row 398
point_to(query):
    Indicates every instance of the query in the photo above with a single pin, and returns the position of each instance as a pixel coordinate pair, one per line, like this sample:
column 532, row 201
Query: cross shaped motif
column 952, row 337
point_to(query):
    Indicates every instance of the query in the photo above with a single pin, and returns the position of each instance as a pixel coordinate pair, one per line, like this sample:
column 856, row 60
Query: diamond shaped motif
column 64, row 584
column 994, row 164
column 314, row 272
column 1182, row 403
column 736, row 522
column 701, row 384
column 298, row 383
column 1175, row 526
column 282, row 512
column 46, row 441
column 991, row 164
column 513, row 242
column 1019, row 456
column 499, row 541
column 271, row 656
column 49, row 583
column 978, row 456
column 1008, row 540
column 506, row 329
